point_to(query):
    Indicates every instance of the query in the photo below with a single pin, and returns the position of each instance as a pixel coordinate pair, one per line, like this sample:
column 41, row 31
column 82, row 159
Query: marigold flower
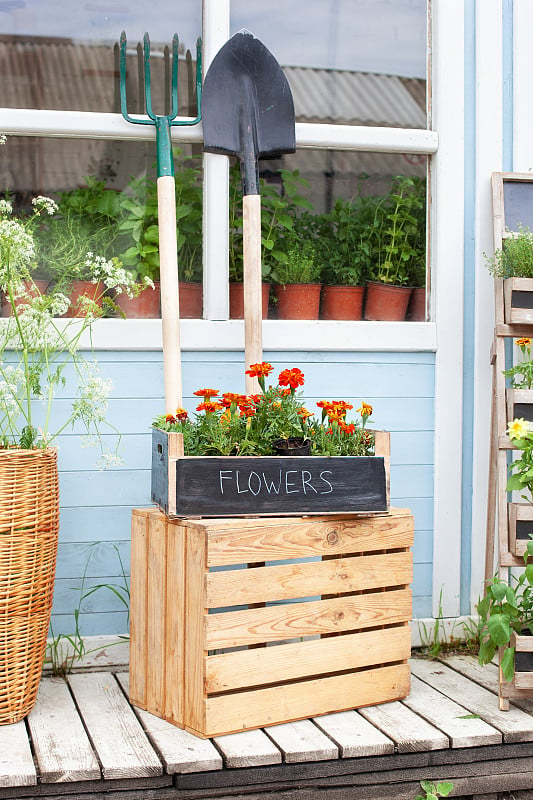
column 209, row 407
column 365, row 410
column 255, row 398
column 232, row 398
column 206, row 393
column 304, row 413
column 525, row 341
column 291, row 377
column 518, row 428
column 181, row 414
column 260, row 370
column 345, row 428
column 170, row 418
column 247, row 411
column 341, row 405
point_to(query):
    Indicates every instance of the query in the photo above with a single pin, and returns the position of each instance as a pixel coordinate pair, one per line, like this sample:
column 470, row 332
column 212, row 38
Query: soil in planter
column 293, row 446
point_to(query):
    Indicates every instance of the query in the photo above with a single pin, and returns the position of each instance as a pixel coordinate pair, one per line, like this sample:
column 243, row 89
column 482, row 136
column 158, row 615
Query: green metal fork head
column 163, row 123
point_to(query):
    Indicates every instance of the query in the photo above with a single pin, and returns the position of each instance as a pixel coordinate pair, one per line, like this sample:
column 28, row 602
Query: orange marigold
column 365, row 410
column 209, row 407
column 181, row 414
column 525, row 341
column 260, row 370
column 206, row 393
column 170, row 418
column 291, row 377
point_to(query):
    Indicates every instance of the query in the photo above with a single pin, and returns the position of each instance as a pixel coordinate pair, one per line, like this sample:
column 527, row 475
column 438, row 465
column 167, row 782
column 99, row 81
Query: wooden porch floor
column 84, row 740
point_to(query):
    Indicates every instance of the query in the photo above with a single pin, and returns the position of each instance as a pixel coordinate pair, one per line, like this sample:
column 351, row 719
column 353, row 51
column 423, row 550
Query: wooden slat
column 450, row 717
column 303, row 538
column 410, row 732
column 305, row 699
column 248, row 749
column 486, row 676
column 195, row 644
column 302, row 741
column 313, row 657
column 276, row 623
column 175, row 625
column 179, row 750
column 119, row 741
column 138, row 605
column 514, row 724
column 156, row 605
column 61, row 756
column 283, row 582
column 354, row 736
column 16, row 761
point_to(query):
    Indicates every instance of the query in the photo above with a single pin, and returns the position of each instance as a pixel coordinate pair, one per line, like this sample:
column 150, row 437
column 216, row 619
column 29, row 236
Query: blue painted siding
column 96, row 505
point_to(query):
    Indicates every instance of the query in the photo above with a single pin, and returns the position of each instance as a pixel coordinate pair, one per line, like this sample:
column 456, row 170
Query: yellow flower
column 365, row 410
column 525, row 341
column 518, row 428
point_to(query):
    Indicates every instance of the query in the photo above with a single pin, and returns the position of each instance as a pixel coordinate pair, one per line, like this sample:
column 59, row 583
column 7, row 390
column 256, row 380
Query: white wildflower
column 148, row 282
column 91, row 405
column 16, row 245
column 3, row 138
column 41, row 203
column 109, row 460
column 59, row 304
column 6, row 207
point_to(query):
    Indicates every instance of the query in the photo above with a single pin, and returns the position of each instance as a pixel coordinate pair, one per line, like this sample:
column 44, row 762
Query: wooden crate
column 520, row 527
column 523, row 674
column 208, row 486
column 519, row 404
column 316, row 623
column 518, row 301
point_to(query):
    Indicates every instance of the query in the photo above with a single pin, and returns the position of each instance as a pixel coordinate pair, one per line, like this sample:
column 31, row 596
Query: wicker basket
column 29, row 524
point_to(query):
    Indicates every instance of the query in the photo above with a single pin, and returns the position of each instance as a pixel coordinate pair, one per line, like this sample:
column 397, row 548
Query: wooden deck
column 84, row 740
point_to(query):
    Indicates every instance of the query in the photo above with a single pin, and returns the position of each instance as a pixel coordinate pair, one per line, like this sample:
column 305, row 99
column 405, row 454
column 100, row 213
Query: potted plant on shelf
column 297, row 279
column 253, row 430
column 140, row 225
column 513, row 264
column 396, row 228
column 346, row 246
column 37, row 356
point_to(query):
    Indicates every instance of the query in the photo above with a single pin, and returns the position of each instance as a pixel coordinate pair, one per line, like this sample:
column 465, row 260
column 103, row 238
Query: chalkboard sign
column 518, row 203
column 208, row 486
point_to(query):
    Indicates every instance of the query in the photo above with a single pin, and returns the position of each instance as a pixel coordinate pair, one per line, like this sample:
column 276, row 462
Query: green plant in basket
column 40, row 355
column 235, row 424
column 515, row 258
column 521, row 374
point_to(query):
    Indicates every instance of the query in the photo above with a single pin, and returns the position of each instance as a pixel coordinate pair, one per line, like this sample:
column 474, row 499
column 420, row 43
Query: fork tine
column 174, row 90
column 147, row 82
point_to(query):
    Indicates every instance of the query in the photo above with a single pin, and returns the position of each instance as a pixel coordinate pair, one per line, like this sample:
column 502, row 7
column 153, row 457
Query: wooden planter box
column 523, row 675
column 518, row 300
column 519, row 404
column 207, row 486
column 217, row 647
column 520, row 526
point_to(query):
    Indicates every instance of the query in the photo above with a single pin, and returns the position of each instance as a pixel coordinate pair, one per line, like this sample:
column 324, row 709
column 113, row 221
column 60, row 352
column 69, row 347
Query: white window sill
column 291, row 335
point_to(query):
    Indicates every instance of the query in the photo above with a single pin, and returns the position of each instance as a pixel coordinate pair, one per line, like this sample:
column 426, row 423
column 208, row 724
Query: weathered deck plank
column 60, row 758
column 354, row 735
column 16, row 761
column 515, row 725
column 248, row 749
column 410, row 732
column 120, row 743
column 179, row 750
column 302, row 741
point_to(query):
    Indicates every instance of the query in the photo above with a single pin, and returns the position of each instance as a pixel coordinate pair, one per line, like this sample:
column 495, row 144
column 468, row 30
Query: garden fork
column 166, row 203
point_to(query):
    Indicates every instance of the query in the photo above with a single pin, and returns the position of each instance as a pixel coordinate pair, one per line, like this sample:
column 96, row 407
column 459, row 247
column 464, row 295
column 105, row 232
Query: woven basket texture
column 29, row 526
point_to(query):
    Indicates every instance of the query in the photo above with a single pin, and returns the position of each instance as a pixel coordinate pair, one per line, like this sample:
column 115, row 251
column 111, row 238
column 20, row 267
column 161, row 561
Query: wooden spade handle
column 253, row 343
column 170, row 313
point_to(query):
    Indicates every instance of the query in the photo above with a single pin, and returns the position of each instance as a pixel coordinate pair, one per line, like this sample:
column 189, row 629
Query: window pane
column 64, row 55
column 107, row 205
column 355, row 62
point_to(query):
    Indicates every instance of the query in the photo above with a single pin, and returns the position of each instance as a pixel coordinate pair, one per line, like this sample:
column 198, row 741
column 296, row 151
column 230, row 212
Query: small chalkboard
column 279, row 485
column 513, row 201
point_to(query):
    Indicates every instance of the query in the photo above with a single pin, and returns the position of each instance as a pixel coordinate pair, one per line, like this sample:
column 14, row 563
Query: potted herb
column 39, row 356
column 343, row 250
column 396, row 226
column 342, row 473
column 280, row 206
column 513, row 264
column 297, row 279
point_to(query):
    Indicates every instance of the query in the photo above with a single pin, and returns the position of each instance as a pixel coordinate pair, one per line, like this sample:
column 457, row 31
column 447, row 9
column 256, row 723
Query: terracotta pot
column 191, row 300
column 342, row 302
column 298, row 300
column 80, row 289
column 416, row 310
column 236, row 300
column 33, row 288
column 386, row 302
column 144, row 306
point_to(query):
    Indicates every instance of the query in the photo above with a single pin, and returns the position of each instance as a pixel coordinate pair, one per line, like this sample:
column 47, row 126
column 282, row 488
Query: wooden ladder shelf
column 512, row 203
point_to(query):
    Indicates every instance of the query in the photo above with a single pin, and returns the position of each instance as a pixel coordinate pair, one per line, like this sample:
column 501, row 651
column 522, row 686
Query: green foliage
column 521, row 374
column 140, row 223
column 503, row 610
column 280, row 208
column 515, row 259
column 521, row 468
column 398, row 225
column 432, row 791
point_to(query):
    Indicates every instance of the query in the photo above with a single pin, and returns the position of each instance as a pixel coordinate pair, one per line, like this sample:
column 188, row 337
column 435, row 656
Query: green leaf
column 499, row 590
column 444, row 788
column 507, row 664
column 499, row 629
column 469, row 716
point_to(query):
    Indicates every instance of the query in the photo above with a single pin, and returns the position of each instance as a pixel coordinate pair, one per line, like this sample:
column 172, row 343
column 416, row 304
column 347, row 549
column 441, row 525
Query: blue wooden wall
column 96, row 505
